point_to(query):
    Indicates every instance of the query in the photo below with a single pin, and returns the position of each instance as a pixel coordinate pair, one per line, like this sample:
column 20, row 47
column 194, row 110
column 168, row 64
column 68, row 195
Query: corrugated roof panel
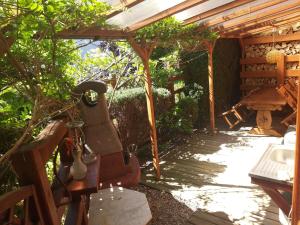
column 141, row 11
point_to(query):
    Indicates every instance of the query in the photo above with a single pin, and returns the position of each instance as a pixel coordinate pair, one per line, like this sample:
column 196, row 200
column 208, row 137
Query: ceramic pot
column 78, row 169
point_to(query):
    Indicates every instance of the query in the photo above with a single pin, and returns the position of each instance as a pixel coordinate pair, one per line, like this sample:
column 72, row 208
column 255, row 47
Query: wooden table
column 264, row 101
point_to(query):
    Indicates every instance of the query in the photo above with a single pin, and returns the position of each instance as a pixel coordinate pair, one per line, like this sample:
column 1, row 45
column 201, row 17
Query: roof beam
column 92, row 33
column 166, row 13
column 242, row 12
column 267, row 21
column 215, row 11
column 251, row 18
column 269, row 39
column 283, row 24
column 123, row 5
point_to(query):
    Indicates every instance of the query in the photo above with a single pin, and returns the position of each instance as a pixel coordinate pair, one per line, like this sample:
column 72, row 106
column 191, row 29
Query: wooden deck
column 210, row 175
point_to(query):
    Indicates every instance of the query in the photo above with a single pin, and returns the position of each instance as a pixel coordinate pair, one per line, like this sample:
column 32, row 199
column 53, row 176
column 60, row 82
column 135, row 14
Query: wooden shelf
column 259, row 74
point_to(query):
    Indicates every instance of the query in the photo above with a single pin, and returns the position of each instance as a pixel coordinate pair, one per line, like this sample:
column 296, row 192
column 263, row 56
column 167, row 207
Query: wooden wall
column 256, row 72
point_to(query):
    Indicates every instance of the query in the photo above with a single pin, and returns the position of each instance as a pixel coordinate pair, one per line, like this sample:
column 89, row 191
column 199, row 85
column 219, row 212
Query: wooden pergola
column 250, row 21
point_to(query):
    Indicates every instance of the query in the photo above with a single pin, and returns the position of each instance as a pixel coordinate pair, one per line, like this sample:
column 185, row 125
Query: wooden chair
column 29, row 164
column 289, row 92
column 23, row 200
column 235, row 115
column 238, row 113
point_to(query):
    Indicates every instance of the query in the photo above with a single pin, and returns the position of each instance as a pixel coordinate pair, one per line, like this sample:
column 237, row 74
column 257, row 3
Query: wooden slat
column 215, row 11
column 92, row 33
column 280, row 24
column 11, row 198
column 124, row 5
column 47, row 140
column 256, row 60
column 280, row 69
column 246, row 87
column 34, row 173
column 258, row 16
column 269, row 39
column 261, row 60
column 293, row 73
column 166, row 13
column 270, row 20
column 258, row 74
column 242, row 12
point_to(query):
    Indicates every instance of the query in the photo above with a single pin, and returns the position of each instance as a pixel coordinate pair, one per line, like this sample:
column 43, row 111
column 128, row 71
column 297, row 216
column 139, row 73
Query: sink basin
column 285, row 156
column 277, row 163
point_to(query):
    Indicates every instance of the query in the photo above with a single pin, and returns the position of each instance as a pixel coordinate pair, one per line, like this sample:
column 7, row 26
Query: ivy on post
column 144, row 51
column 164, row 33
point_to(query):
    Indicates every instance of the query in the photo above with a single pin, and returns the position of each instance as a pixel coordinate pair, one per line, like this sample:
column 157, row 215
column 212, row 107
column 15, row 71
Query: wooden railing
column 21, row 207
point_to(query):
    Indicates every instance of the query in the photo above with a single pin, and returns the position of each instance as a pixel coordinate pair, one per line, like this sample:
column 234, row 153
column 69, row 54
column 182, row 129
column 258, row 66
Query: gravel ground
column 165, row 209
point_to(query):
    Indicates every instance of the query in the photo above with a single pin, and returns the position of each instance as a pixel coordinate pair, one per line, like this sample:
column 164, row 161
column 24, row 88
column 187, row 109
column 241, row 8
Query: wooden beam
column 215, row 11
column 269, row 39
column 92, row 33
column 280, row 69
column 271, row 20
column 242, row 12
column 261, row 60
column 211, row 85
column 296, row 182
column 279, row 23
column 258, row 74
column 257, row 16
column 127, row 4
column 145, row 52
column 166, row 13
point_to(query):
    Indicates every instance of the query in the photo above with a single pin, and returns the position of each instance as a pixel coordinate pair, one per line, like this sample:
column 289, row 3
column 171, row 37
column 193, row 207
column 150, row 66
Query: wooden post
column 144, row 53
column 296, row 183
column 280, row 69
column 211, row 86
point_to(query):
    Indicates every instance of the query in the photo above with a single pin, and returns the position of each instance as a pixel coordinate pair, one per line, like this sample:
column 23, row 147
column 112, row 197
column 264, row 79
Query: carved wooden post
column 144, row 53
column 296, row 183
column 211, row 46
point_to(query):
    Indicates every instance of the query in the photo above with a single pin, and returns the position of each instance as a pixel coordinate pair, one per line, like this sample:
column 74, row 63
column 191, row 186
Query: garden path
column 210, row 174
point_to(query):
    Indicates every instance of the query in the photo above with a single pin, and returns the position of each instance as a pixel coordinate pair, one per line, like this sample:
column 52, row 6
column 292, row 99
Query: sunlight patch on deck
column 211, row 173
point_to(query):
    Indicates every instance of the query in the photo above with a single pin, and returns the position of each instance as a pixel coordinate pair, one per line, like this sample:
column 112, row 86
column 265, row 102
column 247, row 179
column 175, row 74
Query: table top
column 87, row 185
column 90, row 183
column 265, row 96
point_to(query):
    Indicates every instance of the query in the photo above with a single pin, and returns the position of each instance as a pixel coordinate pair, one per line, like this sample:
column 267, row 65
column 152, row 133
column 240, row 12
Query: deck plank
column 210, row 175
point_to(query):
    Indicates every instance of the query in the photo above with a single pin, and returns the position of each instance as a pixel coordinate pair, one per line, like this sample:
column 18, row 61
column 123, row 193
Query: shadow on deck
column 210, row 175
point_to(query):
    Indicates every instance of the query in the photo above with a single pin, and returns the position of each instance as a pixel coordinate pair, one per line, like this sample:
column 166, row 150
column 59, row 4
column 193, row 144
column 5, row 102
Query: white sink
column 276, row 163
column 283, row 155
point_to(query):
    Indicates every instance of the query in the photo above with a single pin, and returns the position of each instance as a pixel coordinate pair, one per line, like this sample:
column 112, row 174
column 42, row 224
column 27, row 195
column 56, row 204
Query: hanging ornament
column 273, row 55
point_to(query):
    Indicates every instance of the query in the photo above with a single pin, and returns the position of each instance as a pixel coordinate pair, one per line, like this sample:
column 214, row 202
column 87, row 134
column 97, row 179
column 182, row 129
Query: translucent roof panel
column 201, row 8
column 112, row 2
column 141, row 11
column 230, row 11
column 278, row 6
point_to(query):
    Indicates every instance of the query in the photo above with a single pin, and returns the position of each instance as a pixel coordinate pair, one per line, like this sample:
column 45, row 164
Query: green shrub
column 180, row 119
column 129, row 110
